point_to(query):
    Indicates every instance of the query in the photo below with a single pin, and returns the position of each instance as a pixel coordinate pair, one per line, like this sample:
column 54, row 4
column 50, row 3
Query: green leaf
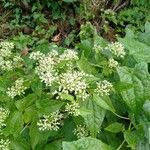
column 146, row 109
column 86, row 144
column 20, row 144
column 15, row 124
column 93, row 120
column 56, row 145
column 139, row 50
column 86, row 66
column 46, row 106
column 132, row 138
column 69, row 126
column 104, row 102
column 147, row 27
column 67, row 97
column 36, row 136
column 26, row 102
column 115, row 127
column 140, row 79
column 145, row 37
column 30, row 114
column 122, row 86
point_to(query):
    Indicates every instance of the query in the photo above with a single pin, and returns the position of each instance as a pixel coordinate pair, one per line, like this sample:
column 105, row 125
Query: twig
column 123, row 5
column 3, row 18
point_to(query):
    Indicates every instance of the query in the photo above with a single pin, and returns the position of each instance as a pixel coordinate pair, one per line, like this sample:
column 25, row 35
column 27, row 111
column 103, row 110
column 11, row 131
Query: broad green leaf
column 45, row 106
column 56, row 145
column 122, row 86
column 30, row 114
column 139, row 50
column 34, row 135
column 15, row 124
column 86, row 144
column 37, row 87
column 132, row 138
column 147, row 27
column 37, row 136
column 86, row 66
column 93, row 120
column 104, row 102
column 26, row 102
column 115, row 127
column 140, row 79
column 145, row 37
column 146, row 106
column 68, row 128
column 143, row 145
column 20, row 144
column 67, row 97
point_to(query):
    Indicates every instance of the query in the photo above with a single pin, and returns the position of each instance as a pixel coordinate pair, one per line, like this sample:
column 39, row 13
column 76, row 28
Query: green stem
column 121, row 145
column 121, row 116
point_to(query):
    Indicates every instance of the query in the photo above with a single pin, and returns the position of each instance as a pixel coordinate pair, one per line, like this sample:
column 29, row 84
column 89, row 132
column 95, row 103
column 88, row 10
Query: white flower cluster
column 36, row 55
column 5, row 49
column 5, row 144
column 103, row 88
column 50, row 122
column 17, row 89
column 3, row 115
column 45, row 69
column 6, row 62
column 117, row 49
column 47, row 63
column 6, row 65
column 80, row 132
column 112, row 63
column 73, row 82
column 68, row 55
column 73, row 109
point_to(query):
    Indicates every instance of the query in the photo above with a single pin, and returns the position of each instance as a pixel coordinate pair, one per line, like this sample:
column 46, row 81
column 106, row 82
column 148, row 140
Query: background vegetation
column 119, row 121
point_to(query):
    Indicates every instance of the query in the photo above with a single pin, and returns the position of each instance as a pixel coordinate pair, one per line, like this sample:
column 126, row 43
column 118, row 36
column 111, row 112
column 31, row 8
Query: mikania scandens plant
column 61, row 76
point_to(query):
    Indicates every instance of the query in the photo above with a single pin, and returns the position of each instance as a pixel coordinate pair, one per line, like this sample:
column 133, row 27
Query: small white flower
column 73, row 109
column 117, row 49
column 74, row 82
column 5, row 48
column 50, row 122
column 3, row 115
column 46, row 68
column 112, row 63
column 17, row 89
column 68, row 55
column 17, row 61
column 5, row 144
column 103, row 88
column 81, row 131
column 36, row 55
column 6, row 65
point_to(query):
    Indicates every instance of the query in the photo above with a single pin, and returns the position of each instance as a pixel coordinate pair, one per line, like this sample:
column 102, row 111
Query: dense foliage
column 72, row 77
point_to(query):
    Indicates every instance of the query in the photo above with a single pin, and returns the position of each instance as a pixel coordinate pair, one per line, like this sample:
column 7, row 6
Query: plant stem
column 121, row 116
column 121, row 145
